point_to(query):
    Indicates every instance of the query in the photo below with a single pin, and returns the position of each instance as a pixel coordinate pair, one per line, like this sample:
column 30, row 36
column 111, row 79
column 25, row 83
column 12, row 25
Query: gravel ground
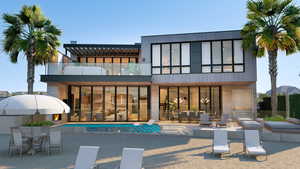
column 161, row 152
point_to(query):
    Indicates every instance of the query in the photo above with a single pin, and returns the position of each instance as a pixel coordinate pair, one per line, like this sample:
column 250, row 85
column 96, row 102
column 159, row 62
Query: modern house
column 158, row 78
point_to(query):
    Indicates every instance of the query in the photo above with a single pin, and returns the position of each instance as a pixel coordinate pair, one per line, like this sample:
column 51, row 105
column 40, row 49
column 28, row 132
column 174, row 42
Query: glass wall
column 170, row 58
column 173, row 100
column 109, row 103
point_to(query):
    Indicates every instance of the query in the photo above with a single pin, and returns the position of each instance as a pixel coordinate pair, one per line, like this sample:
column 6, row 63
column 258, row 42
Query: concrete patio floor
column 161, row 152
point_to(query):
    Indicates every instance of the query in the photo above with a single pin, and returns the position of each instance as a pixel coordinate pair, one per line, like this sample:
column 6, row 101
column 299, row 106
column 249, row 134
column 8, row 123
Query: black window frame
column 161, row 67
column 211, row 65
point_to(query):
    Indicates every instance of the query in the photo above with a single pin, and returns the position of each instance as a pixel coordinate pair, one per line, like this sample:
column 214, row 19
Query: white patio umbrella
column 31, row 105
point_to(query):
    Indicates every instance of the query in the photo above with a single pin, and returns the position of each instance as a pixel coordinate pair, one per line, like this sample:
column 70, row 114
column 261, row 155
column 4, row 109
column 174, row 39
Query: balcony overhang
column 95, row 78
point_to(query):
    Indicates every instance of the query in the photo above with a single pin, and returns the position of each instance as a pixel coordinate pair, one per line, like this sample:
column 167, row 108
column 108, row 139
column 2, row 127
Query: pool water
column 118, row 128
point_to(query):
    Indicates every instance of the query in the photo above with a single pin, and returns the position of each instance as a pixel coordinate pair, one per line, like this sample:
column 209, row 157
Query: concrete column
column 155, row 102
column 254, row 104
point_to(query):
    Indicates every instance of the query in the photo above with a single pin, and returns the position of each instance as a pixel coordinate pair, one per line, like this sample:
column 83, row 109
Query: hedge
column 266, row 103
column 295, row 106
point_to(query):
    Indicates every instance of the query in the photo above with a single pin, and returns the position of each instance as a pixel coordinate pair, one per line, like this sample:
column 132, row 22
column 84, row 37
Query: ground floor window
column 109, row 103
column 174, row 100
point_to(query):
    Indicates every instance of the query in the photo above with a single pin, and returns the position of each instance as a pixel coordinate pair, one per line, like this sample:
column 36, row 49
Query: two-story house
column 164, row 75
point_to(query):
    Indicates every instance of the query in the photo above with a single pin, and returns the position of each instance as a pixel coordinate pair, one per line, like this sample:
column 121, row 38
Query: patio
column 167, row 152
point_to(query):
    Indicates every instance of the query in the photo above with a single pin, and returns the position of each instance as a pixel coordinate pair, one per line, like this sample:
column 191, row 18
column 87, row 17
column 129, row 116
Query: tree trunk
column 30, row 74
column 273, row 76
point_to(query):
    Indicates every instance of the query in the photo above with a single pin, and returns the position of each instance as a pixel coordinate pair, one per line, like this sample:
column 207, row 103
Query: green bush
column 275, row 118
column 295, row 106
column 268, row 113
column 39, row 123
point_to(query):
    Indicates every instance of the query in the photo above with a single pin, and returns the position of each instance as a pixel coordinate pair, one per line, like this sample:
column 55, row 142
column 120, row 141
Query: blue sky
column 124, row 21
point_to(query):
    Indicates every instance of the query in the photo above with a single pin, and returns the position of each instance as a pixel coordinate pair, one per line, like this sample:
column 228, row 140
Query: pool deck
column 161, row 152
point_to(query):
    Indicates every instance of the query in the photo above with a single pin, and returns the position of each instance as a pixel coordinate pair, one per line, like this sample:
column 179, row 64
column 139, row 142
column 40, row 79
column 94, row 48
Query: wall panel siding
column 196, row 57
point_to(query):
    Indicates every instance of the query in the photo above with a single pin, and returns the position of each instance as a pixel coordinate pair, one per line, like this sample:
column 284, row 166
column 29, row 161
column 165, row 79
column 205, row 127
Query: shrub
column 274, row 118
column 39, row 123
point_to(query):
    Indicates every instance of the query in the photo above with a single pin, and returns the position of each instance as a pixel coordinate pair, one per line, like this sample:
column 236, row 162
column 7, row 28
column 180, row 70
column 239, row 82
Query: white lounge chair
column 55, row 141
column 150, row 122
column 220, row 142
column 204, row 120
column 86, row 157
column 252, row 145
column 132, row 158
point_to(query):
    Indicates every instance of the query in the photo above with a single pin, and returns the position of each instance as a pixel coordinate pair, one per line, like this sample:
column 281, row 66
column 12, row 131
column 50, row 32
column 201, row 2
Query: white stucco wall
column 239, row 100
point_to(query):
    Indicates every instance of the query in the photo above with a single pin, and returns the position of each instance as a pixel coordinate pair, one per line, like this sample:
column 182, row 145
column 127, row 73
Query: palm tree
column 273, row 25
column 31, row 33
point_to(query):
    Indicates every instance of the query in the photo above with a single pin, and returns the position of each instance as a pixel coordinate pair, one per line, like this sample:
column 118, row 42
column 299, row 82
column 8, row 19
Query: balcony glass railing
column 98, row 69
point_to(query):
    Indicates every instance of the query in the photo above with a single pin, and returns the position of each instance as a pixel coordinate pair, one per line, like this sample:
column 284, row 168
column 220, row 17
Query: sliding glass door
column 109, row 103
column 133, row 108
column 121, row 103
column 175, row 99
column 98, row 97
column 86, row 98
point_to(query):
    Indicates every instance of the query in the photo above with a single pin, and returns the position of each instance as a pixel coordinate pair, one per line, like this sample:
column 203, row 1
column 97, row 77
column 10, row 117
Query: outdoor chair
column 16, row 143
column 221, row 144
column 86, row 157
column 192, row 116
column 54, row 141
column 204, row 120
column 224, row 120
column 183, row 116
column 132, row 158
column 253, row 145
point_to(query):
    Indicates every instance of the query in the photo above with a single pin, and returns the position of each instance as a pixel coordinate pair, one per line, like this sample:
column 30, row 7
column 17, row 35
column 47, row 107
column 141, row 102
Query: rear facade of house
column 165, row 77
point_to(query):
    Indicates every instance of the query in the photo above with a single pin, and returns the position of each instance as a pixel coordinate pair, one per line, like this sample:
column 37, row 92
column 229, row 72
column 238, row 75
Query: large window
column 109, row 103
column 174, row 100
column 170, row 58
column 222, row 56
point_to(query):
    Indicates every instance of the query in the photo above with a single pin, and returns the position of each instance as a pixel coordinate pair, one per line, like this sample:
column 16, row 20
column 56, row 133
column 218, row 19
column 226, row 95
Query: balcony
column 107, row 69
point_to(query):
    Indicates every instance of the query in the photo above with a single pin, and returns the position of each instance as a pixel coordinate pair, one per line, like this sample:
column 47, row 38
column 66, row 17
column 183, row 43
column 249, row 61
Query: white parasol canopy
column 32, row 104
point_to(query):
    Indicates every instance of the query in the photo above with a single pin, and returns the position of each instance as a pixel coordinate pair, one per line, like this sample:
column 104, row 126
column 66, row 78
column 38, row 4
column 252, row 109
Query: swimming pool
column 118, row 128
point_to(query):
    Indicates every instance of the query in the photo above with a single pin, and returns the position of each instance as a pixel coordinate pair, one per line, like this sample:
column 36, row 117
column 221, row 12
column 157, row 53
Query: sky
column 125, row 21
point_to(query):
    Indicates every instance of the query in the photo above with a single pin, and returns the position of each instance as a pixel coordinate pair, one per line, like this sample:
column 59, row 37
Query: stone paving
column 161, row 152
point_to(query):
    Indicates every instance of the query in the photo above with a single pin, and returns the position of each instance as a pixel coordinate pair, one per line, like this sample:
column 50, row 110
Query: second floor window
column 170, row 58
column 222, row 56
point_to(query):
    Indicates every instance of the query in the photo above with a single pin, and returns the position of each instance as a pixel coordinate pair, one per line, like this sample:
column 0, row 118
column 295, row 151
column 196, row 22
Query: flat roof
column 227, row 31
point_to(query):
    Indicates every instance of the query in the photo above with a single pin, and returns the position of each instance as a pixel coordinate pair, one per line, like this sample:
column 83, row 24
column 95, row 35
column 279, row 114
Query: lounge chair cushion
column 257, row 150
column 205, row 123
column 221, row 149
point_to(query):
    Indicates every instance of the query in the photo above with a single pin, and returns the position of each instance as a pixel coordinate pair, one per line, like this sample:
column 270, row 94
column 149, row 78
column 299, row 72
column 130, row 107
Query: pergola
column 103, row 50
